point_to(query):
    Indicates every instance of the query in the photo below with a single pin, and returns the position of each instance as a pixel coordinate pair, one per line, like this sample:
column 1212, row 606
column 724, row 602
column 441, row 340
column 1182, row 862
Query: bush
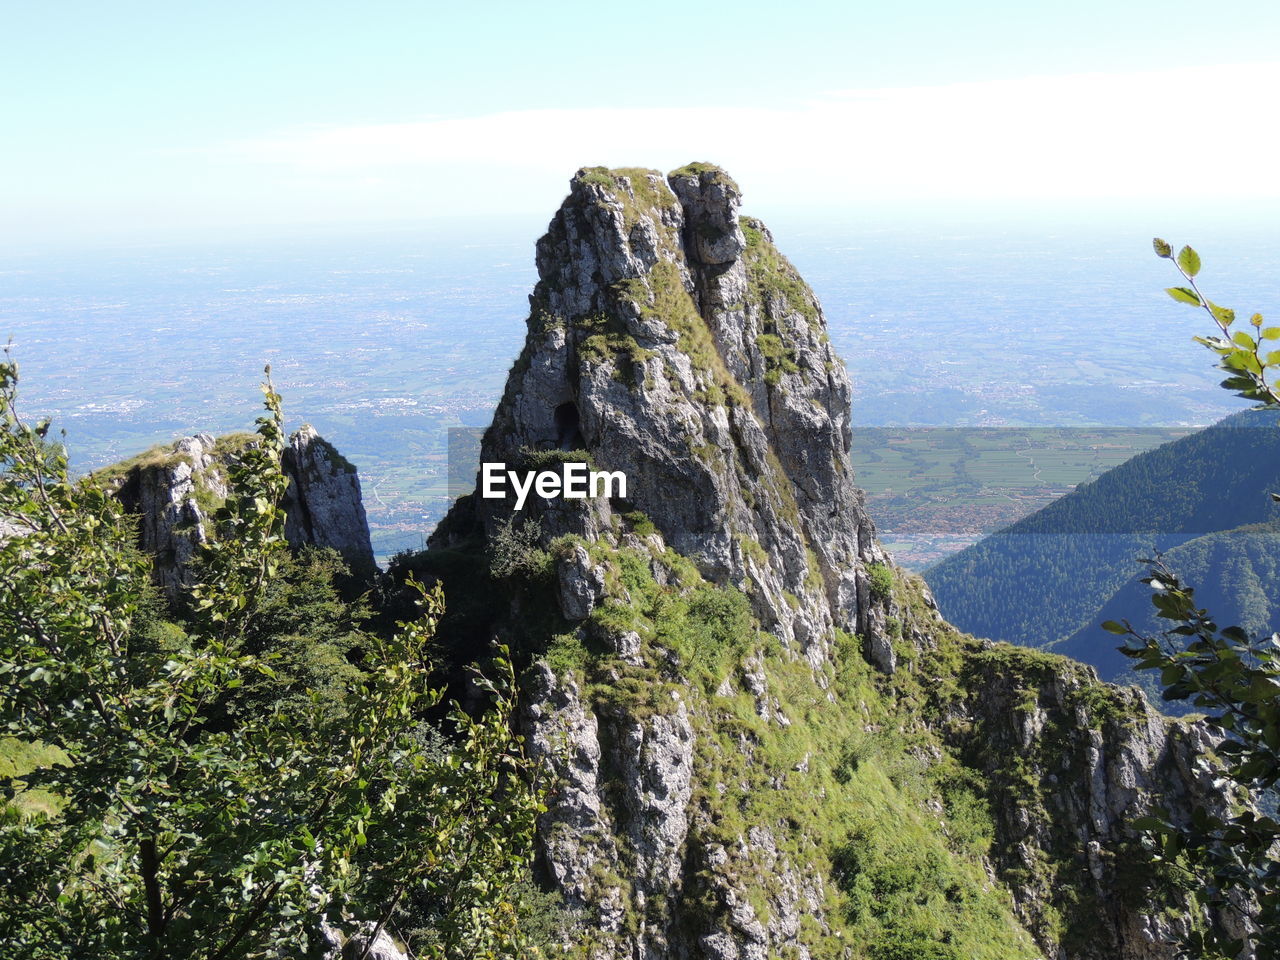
column 880, row 577
column 205, row 804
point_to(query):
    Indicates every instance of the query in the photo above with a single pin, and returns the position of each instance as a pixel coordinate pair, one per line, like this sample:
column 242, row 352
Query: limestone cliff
column 767, row 742
column 323, row 505
column 174, row 491
column 670, row 340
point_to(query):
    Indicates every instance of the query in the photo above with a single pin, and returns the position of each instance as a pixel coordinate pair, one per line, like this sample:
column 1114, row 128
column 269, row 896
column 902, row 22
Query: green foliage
column 205, row 803
column 514, row 552
column 710, row 628
column 880, row 577
column 1234, row 679
column 636, row 189
column 849, row 788
column 778, row 359
column 607, row 341
column 707, row 171
column 908, row 888
column 665, row 298
column 641, row 525
column 772, row 281
column 550, row 459
column 599, row 176
column 310, row 637
column 1234, row 569
column 1044, row 579
column 1251, row 368
column 17, row 759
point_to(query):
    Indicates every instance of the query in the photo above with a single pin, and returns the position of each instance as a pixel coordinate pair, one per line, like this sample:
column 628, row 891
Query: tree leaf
column 1184, row 295
column 1189, row 261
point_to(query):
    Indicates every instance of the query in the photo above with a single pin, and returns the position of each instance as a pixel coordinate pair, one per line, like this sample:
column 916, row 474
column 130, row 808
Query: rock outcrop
column 341, row 946
column 759, row 751
column 174, row 491
column 323, row 505
column 670, row 340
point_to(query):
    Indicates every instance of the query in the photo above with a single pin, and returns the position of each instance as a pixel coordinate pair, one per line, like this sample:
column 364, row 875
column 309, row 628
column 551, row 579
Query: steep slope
column 766, row 741
column 1046, row 577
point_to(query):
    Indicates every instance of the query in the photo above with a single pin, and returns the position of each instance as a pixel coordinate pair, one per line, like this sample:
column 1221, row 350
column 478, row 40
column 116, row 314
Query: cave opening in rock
column 568, row 436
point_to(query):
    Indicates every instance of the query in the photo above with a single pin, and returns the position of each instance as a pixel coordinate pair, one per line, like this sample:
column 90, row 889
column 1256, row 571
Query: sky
column 129, row 118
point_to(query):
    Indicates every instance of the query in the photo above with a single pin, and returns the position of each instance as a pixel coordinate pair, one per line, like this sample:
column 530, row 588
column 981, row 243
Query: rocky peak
column 323, row 504
column 670, row 340
column 174, row 490
column 739, row 778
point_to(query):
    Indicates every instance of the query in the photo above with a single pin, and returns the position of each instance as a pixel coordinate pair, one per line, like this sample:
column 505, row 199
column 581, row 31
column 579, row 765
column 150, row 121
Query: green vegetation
column 164, row 455
column 772, row 281
column 848, row 787
column 707, row 171
column 607, row 341
column 161, row 455
column 1232, row 676
column 778, row 359
column 636, row 188
column 335, row 458
column 665, row 298
column 1045, row 578
column 514, row 552
column 550, row 459
column 1235, row 570
column 17, row 759
column 600, row 176
column 844, row 789
column 641, row 525
column 880, row 576
column 214, row 786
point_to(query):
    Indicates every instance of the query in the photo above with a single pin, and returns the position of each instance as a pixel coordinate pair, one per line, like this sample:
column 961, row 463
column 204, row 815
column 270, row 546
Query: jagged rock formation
column 341, row 946
column 673, row 342
column 1087, row 760
column 323, row 505
column 767, row 741
column 174, row 490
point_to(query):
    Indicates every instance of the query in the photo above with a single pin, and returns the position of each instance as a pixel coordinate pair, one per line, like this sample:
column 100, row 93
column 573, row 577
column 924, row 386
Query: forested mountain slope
column 1047, row 577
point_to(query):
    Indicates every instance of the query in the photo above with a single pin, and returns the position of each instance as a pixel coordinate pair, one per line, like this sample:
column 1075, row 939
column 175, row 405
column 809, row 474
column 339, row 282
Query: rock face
column 671, row 341
column 757, row 754
column 174, row 491
column 1076, row 769
column 172, row 495
column 323, row 505
column 343, row 947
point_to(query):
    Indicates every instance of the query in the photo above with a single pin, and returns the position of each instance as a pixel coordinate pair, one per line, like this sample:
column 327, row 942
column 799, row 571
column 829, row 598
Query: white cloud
column 1189, row 133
